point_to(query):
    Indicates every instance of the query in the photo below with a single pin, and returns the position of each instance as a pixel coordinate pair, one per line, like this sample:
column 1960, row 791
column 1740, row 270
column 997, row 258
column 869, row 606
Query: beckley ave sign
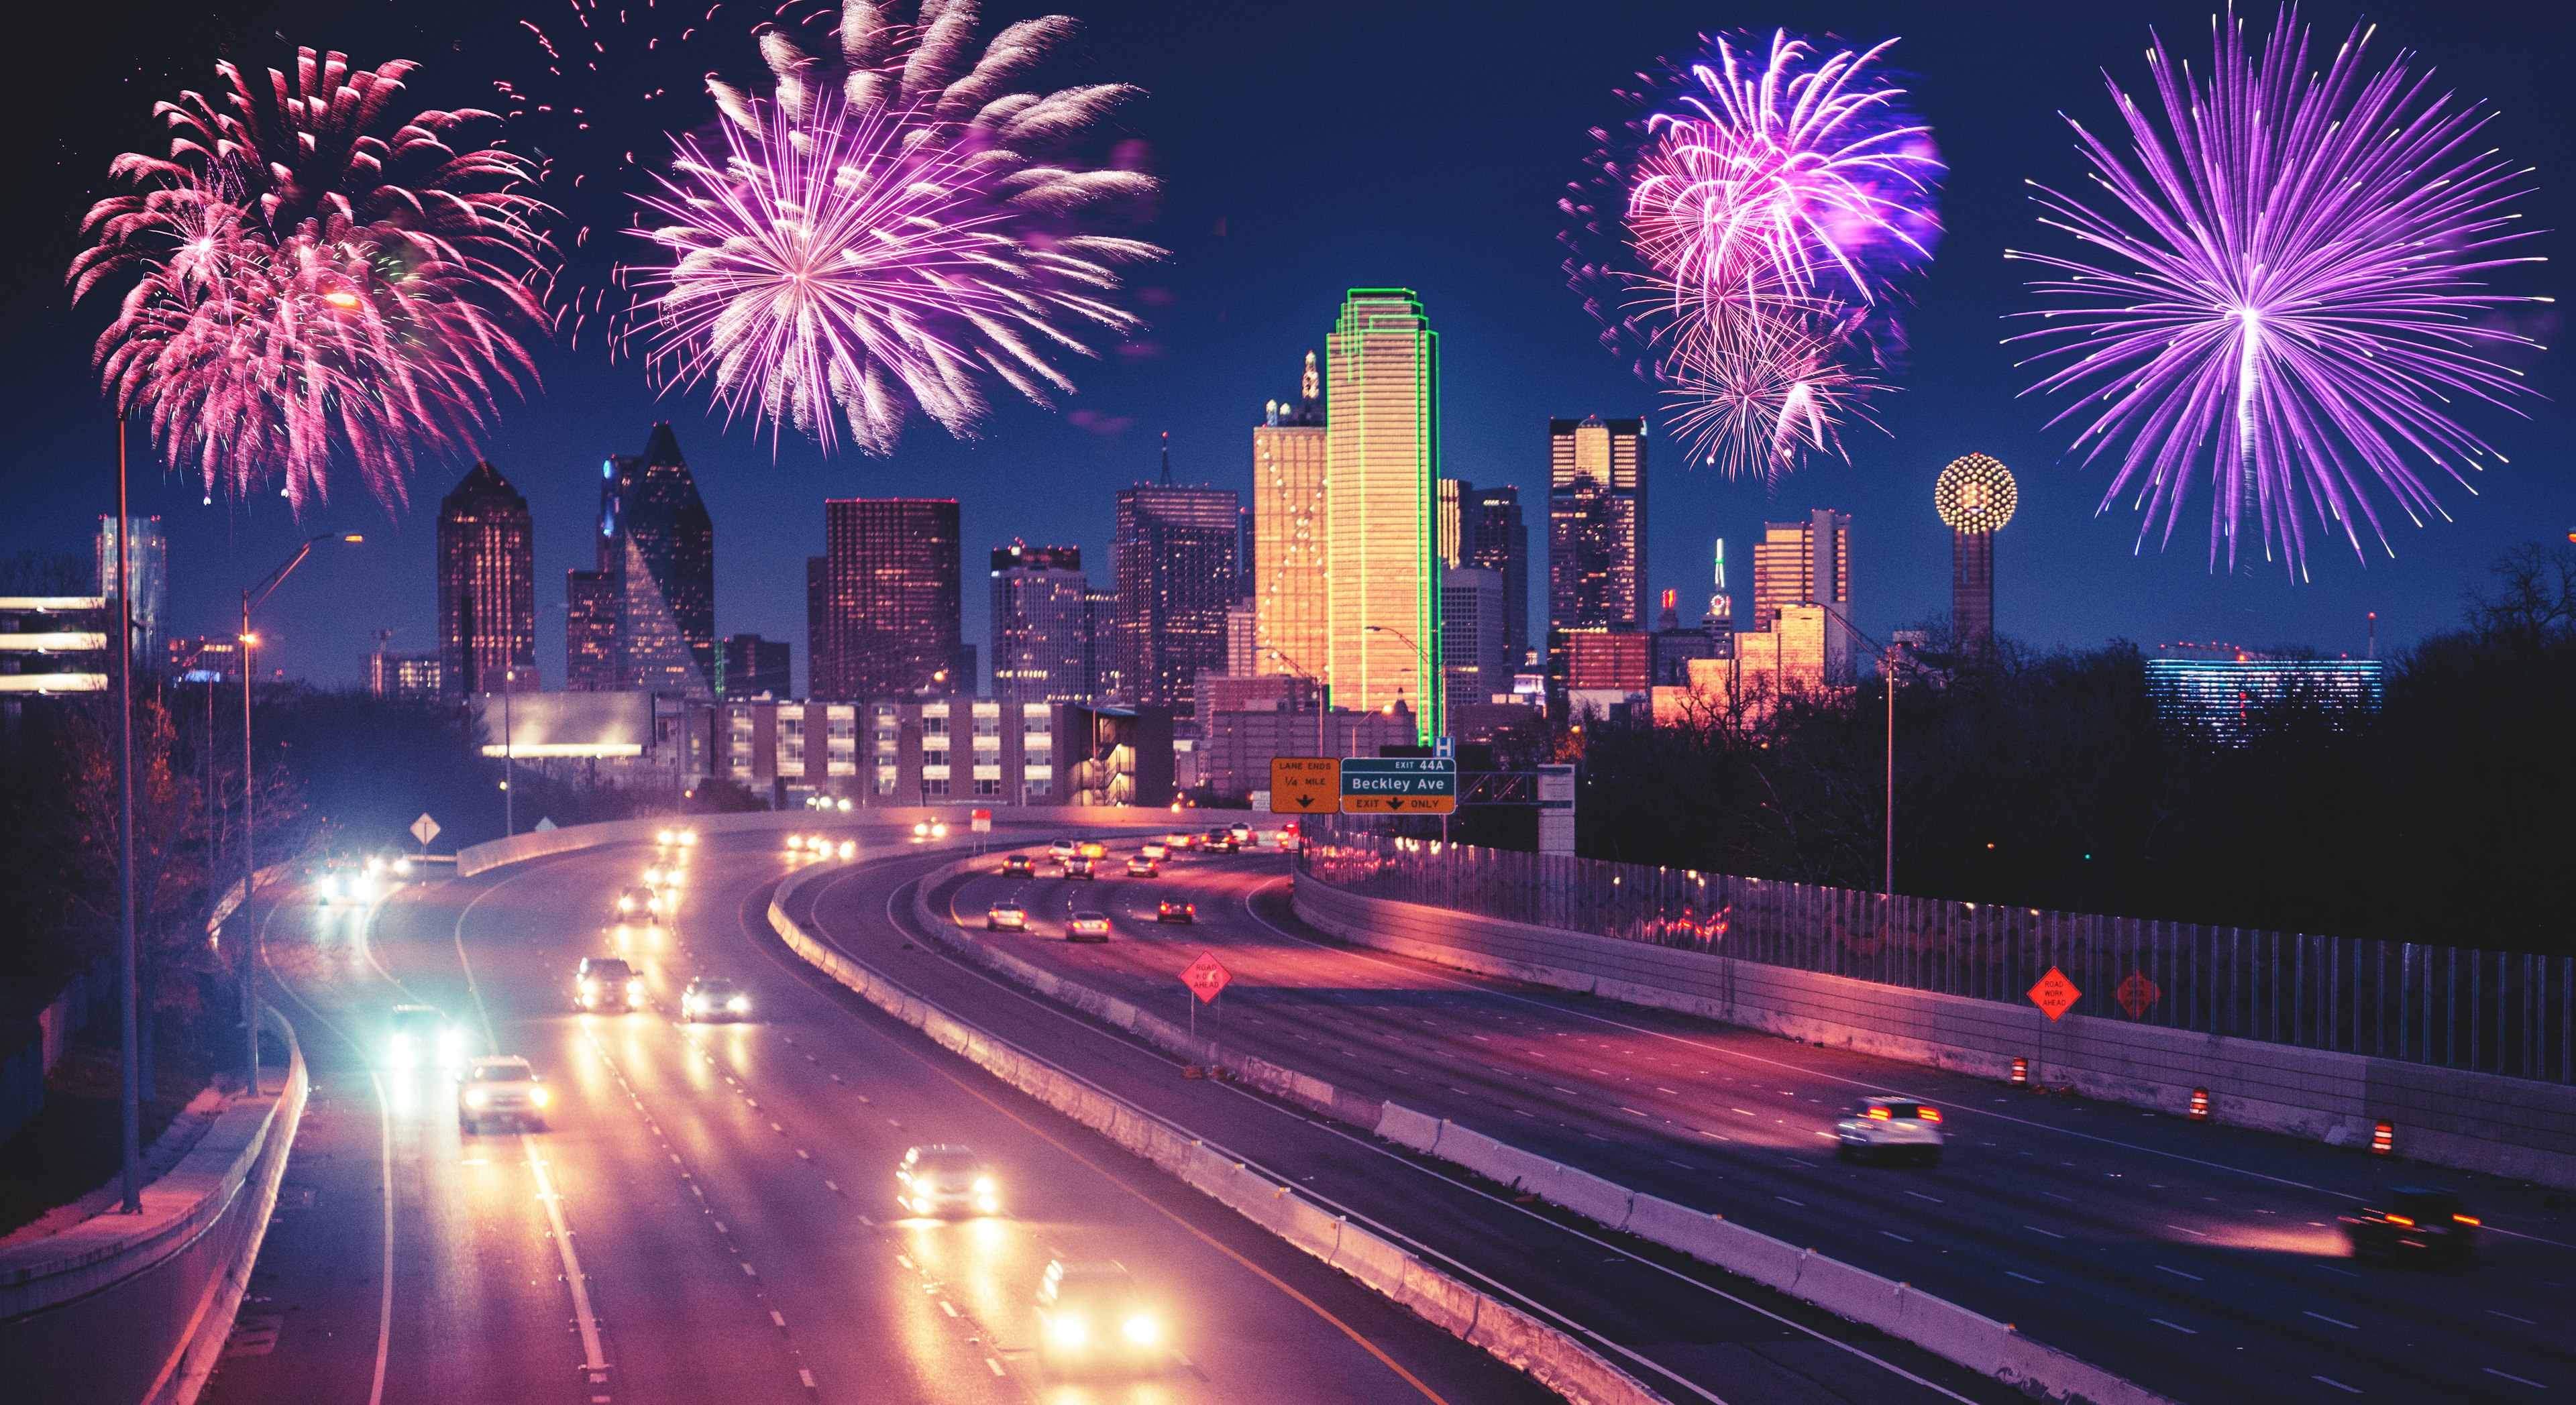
column 1409, row 785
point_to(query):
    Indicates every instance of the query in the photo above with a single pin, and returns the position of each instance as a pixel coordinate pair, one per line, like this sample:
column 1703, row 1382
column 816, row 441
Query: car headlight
column 652, row 876
column 1068, row 1330
column 626, row 903
column 402, row 1048
column 476, row 1097
column 537, row 1096
column 1142, row 1330
column 921, row 1204
column 983, row 1185
column 451, row 1043
column 590, row 987
column 939, row 831
column 740, row 1004
column 919, row 830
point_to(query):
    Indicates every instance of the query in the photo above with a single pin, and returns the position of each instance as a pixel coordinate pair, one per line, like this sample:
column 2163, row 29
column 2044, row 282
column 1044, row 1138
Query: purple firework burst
column 889, row 230
column 310, row 288
column 2284, row 294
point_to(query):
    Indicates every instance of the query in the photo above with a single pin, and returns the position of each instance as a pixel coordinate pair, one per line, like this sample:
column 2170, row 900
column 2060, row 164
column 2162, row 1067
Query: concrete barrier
column 1547, row 1355
column 2512, row 1127
column 134, row 1309
column 573, row 838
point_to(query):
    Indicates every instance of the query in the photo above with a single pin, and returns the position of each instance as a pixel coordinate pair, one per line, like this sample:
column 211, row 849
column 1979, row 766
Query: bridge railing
column 2510, row 1013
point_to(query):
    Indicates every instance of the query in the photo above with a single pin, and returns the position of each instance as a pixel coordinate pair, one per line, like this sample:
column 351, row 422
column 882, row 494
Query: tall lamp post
column 1323, row 703
column 252, row 599
column 130, row 997
column 1421, row 663
column 1887, row 673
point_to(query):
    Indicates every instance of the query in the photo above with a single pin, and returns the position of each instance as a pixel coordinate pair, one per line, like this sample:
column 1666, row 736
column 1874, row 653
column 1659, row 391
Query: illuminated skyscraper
column 657, row 542
column 1288, row 530
column 892, row 600
column 1975, row 497
column 1041, row 650
column 487, row 587
column 1173, row 561
column 1498, row 540
column 1382, row 463
column 1596, row 524
column 1807, row 563
column 147, row 571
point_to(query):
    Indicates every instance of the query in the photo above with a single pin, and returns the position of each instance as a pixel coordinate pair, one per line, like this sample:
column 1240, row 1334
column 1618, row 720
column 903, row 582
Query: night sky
column 1305, row 150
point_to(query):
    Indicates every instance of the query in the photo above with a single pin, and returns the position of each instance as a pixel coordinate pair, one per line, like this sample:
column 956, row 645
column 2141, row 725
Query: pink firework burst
column 889, row 230
column 312, row 289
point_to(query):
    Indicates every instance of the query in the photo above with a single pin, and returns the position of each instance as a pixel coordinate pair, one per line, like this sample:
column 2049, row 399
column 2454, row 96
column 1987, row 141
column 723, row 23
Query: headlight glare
column 1068, row 1330
column 537, row 1096
column 476, row 1097
column 1143, row 1330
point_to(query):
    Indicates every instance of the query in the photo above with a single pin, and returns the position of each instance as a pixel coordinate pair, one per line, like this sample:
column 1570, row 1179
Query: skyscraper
column 1041, row 649
column 487, row 587
column 817, row 614
column 655, row 537
column 1453, row 541
column 1498, row 540
column 1975, row 496
column 1288, row 531
column 1471, row 632
column 1808, row 562
column 1173, row 560
column 590, row 631
column 893, row 609
column 1100, row 644
column 753, row 666
column 1596, row 524
column 147, row 570
column 1382, row 457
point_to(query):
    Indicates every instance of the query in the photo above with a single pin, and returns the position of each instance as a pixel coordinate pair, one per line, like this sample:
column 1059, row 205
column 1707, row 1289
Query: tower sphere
column 1975, row 494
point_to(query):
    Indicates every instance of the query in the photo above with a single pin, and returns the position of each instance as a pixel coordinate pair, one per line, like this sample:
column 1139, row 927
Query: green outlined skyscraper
column 1381, row 480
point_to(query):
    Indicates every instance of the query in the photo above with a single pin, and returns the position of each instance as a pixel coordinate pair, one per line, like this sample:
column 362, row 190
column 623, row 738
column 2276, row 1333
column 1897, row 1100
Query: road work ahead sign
column 1399, row 785
column 1305, row 785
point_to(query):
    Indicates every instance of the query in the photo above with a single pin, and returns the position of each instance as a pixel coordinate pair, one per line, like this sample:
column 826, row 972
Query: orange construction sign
column 2055, row 994
column 1205, row 977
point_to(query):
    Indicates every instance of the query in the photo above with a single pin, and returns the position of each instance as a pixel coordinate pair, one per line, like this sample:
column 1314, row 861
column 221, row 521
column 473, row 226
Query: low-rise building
column 941, row 751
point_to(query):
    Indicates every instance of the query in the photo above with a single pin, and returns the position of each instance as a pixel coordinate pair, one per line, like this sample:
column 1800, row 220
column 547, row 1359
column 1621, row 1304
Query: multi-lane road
column 2202, row 1261
column 709, row 1214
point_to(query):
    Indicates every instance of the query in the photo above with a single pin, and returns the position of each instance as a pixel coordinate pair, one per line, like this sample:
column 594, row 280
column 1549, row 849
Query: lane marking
column 2321, row 1317
column 2186, row 1331
column 2517, row 1380
column 2053, row 1234
column 2026, row 1278
column 2178, row 1273
column 2346, row 1389
column 592, row 1357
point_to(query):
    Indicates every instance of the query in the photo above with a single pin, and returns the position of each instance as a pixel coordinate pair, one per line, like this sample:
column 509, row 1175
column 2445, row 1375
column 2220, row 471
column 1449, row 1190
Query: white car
column 503, row 1088
column 944, row 1180
column 1902, row 1128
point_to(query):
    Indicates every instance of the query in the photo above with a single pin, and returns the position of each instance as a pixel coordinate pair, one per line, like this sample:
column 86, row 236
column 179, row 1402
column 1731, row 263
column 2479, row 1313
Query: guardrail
column 2497, row 1012
column 571, row 838
column 1551, row 1357
column 134, row 1309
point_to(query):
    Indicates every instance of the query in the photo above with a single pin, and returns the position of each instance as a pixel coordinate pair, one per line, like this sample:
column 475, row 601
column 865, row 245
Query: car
column 422, row 1036
column 1242, row 832
column 638, row 904
column 1155, row 849
column 1060, row 849
column 1093, row 849
column 1018, row 866
column 1080, row 868
column 1175, row 910
column 1890, row 1127
column 714, row 998
column 1179, row 842
column 1092, row 1315
column 1087, row 927
column 2411, row 1223
column 504, row 1089
column 1219, row 841
column 1142, row 867
column 942, row 1180
column 1006, row 916
column 929, row 829
column 606, row 983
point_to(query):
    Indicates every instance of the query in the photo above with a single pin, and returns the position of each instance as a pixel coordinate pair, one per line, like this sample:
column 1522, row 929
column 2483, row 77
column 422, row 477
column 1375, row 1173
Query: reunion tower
column 1975, row 496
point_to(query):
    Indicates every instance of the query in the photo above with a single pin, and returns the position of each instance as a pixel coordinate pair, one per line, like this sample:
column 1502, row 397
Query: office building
column 1596, row 524
column 487, row 587
column 147, row 569
column 753, row 666
column 1473, row 656
column 402, row 677
column 892, row 608
column 890, row 752
column 2224, row 696
column 1041, row 625
column 590, row 632
column 1382, row 462
column 1288, row 515
column 1807, row 562
column 1100, row 643
column 1447, row 512
column 1173, row 562
column 817, row 615
column 1496, row 539
column 657, row 542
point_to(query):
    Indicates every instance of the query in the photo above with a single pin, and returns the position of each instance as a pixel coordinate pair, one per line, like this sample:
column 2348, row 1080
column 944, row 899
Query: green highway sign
column 1399, row 785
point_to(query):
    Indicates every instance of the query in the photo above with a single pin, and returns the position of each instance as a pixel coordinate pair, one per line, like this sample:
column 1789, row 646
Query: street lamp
column 1323, row 747
column 1887, row 673
column 1421, row 662
column 252, row 599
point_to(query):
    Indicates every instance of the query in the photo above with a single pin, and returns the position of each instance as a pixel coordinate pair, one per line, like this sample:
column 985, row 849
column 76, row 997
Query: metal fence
column 2502, row 1012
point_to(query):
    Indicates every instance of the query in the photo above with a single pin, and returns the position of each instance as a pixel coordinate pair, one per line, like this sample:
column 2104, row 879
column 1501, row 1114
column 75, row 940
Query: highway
column 2202, row 1261
column 709, row 1214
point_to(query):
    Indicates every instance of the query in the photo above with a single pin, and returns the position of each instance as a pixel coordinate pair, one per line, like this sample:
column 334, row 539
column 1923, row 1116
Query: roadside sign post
column 1206, row 979
column 1305, row 785
column 424, row 829
column 980, row 822
column 2054, row 995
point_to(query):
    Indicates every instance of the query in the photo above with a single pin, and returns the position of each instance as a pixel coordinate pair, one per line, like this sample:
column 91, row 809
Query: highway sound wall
column 135, row 1309
column 2475, row 1121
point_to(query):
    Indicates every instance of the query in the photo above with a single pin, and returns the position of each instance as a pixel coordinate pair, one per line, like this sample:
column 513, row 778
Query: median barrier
column 134, row 1309
column 1547, row 1355
column 1407, row 1128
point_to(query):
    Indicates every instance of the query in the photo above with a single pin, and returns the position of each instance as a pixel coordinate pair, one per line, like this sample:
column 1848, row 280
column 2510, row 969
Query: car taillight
column 1928, row 1114
column 1876, row 1114
column 2468, row 1219
column 2402, row 1221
